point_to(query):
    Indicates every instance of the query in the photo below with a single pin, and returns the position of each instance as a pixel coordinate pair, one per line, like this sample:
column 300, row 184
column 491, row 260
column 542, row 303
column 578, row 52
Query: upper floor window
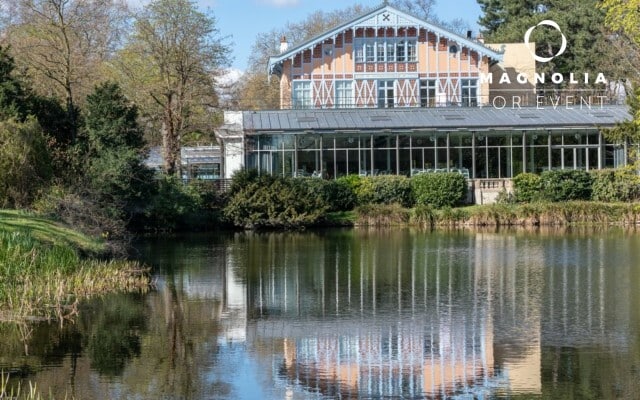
column 386, row 94
column 385, row 50
column 428, row 92
column 469, row 92
column 344, row 94
column 301, row 94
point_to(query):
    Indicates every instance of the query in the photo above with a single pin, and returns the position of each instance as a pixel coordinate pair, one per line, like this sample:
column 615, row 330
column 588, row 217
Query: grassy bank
column 45, row 269
column 531, row 214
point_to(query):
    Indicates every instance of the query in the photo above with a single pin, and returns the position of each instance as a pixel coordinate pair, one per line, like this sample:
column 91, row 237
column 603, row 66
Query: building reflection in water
column 406, row 314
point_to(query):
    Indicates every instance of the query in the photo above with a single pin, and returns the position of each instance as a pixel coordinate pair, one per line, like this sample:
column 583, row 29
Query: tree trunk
column 171, row 137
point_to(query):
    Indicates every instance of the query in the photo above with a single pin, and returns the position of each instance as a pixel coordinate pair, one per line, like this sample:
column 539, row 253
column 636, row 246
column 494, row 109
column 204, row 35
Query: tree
column 506, row 21
column 13, row 97
column 624, row 16
column 116, row 175
column 169, row 65
column 63, row 43
column 24, row 162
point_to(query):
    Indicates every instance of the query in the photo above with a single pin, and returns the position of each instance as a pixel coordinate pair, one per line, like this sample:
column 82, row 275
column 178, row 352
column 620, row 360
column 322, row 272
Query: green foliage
column 179, row 206
column 565, row 185
column 43, row 280
column 506, row 21
column 611, row 185
column 116, row 174
column 527, row 187
column 383, row 189
column 25, row 165
column 269, row 201
column 13, row 102
column 337, row 194
column 111, row 120
column 389, row 189
column 439, row 189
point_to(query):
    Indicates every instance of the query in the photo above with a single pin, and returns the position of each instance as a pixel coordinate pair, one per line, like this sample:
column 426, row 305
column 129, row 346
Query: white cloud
column 281, row 3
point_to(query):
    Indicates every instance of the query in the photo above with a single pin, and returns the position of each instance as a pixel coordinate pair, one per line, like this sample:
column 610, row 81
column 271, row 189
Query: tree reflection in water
column 356, row 313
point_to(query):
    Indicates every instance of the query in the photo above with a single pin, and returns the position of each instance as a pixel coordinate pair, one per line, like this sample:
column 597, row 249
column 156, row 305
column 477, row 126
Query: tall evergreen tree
column 506, row 21
column 116, row 175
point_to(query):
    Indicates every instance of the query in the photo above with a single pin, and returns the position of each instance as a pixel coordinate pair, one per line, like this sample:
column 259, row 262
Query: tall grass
column 528, row 214
column 17, row 393
column 46, row 281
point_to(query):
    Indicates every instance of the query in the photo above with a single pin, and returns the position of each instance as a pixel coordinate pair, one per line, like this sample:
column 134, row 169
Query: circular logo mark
column 546, row 22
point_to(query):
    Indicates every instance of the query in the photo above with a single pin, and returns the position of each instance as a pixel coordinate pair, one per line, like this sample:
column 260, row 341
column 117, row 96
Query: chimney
column 480, row 38
column 284, row 46
column 469, row 34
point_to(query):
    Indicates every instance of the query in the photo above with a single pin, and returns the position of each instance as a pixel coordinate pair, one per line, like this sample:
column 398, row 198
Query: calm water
column 355, row 313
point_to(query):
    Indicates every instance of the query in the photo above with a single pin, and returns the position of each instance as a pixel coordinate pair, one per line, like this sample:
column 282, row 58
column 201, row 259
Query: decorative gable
column 384, row 19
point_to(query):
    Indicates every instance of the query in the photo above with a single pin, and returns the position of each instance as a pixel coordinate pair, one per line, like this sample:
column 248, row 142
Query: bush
column 566, row 185
column 390, row 189
column 527, row 187
column 611, row 185
column 179, row 206
column 383, row 189
column 269, row 201
column 336, row 194
column 439, row 189
column 25, row 165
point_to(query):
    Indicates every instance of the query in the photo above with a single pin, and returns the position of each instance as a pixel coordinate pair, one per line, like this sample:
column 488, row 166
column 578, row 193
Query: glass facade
column 477, row 155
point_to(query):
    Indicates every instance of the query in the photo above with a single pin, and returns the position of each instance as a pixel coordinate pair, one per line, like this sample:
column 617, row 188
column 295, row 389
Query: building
column 388, row 93
column 196, row 162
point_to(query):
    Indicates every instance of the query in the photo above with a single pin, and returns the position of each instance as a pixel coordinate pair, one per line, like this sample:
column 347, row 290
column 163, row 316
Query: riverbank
column 47, row 269
column 495, row 215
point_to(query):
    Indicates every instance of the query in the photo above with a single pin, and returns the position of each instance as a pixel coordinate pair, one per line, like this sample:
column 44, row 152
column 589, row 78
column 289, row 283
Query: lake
column 354, row 313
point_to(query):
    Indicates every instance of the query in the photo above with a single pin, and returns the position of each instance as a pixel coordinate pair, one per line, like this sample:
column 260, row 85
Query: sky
column 243, row 20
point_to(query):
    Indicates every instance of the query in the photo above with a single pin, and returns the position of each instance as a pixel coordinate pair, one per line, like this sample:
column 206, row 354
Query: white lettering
column 540, row 78
column 585, row 101
column 486, row 78
column 570, row 100
column 540, row 102
column 505, row 79
column 586, row 78
column 557, row 78
column 516, row 100
column 557, row 102
column 601, row 79
column 504, row 102
column 572, row 79
column 602, row 99
column 522, row 79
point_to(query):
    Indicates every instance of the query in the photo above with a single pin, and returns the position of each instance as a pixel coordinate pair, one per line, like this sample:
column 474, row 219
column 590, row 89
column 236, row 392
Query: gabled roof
column 373, row 19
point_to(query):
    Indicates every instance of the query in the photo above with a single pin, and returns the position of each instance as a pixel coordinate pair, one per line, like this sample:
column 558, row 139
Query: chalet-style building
column 389, row 93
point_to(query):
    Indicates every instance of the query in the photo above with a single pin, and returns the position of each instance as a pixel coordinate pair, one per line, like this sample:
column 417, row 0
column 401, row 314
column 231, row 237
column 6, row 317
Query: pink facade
column 384, row 59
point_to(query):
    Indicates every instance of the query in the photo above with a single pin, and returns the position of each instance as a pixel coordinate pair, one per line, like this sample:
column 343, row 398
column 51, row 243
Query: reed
column 47, row 281
column 17, row 392
column 528, row 214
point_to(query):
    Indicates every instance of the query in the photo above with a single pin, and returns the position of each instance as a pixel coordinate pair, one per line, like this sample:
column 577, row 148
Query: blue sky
column 243, row 20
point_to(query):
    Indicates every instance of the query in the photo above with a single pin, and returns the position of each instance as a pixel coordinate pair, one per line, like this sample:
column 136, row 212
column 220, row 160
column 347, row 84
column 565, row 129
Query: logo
column 553, row 24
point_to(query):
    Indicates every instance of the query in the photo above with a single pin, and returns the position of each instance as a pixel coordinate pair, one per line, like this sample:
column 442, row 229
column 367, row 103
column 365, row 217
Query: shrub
column 527, row 187
column 178, row 206
column 566, row 185
column 390, row 189
column 383, row 189
column 611, row 185
column 276, row 202
column 25, row 165
column 439, row 189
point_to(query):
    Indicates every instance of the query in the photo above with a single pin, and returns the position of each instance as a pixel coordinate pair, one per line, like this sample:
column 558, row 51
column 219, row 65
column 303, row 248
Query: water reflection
column 353, row 314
